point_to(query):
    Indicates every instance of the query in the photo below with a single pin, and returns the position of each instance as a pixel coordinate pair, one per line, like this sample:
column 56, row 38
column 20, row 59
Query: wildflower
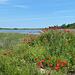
column 39, row 32
column 42, row 29
column 26, row 61
column 61, row 62
column 57, row 33
column 60, row 32
column 68, row 31
column 49, row 59
column 65, row 41
column 68, row 40
column 11, row 49
column 44, row 38
column 44, row 34
column 35, row 59
column 25, row 39
column 58, row 65
column 56, row 68
column 39, row 63
column 42, row 60
column 49, row 27
column 28, row 42
column 31, row 37
column 5, row 53
column 69, row 67
column 52, row 27
column 58, row 61
column 50, row 64
column 36, row 35
column 53, row 31
column 24, row 42
column 62, row 65
column 57, row 29
column 50, row 34
column 24, row 49
column 46, row 29
column 64, row 30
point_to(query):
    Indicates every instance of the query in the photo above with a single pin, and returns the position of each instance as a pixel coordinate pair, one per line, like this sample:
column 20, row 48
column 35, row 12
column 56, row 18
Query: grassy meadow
column 50, row 53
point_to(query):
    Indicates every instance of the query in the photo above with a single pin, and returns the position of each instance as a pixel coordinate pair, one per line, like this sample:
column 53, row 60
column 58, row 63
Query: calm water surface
column 22, row 31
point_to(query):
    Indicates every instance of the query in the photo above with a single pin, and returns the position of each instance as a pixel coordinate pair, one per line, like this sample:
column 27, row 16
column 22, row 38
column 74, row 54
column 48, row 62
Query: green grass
column 21, row 62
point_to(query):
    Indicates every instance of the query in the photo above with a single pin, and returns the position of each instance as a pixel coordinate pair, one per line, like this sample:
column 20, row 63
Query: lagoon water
column 22, row 31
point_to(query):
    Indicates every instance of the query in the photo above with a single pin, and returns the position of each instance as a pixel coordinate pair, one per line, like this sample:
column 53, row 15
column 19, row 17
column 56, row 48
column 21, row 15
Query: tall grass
column 53, row 47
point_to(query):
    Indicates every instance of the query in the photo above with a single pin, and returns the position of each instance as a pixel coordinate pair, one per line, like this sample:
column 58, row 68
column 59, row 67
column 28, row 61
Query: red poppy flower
column 44, row 38
column 49, row 27
column 65, row 41
column 39, row 32
column 57, row 33
column 52, row 27
column 57, row 29
column 56, row 68
column 25, row 39
column 5, row 53
column 68, row 31
column 53, row 31
column 64, row 30
column 62, row 65
column 24, row 49
column 50, row 34
column 35, row 59
column 58, row 61
column 26, row 61
column 39, row 63
column 28, row 42
column 50, row 64
column 49, row 59
column 46, row 29
column 61, row 62
column 24, row 42
column 36, row 35
column 58, row 65
column 42, row 60
column 60, row 32
column 42, row 29
column 11, row 49
column 44, row 34
column 68, row 40
column 69, row 67
column 31, row 37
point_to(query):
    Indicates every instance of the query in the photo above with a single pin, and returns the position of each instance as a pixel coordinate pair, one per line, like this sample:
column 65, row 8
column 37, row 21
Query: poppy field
column 50, row 53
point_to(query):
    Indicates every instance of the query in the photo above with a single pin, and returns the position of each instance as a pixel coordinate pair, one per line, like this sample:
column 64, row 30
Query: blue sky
column 36, row 13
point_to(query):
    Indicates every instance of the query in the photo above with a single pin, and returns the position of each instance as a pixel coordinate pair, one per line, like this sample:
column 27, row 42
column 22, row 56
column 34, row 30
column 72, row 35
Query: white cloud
column 64, row 11
column 21, row 6
column 34, row 18
column 3, row 1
